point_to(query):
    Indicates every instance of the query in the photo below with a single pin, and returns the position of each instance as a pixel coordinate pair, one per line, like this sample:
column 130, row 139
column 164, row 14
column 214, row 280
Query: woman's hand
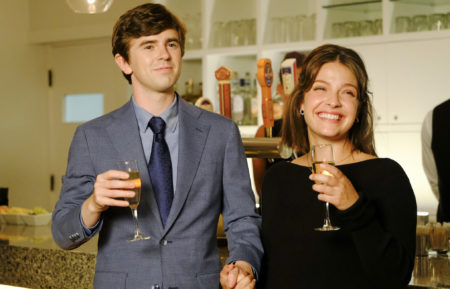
column 335, row 188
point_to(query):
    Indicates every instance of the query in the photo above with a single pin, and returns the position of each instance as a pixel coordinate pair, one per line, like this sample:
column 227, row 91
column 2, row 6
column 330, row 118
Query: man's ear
column 123, row 64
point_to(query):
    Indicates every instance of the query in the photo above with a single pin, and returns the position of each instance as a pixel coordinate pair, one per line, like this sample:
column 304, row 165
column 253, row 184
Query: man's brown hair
column 144, row 20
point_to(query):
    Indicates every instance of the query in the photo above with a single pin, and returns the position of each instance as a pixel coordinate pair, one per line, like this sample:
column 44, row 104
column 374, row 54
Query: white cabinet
column 417, row 79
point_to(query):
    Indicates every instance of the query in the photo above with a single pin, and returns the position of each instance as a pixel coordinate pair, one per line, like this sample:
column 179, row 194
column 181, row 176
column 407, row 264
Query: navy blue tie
column 160, row 168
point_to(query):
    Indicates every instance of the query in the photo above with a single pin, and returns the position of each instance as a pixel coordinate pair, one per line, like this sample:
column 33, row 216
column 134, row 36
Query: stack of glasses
column 422, row 22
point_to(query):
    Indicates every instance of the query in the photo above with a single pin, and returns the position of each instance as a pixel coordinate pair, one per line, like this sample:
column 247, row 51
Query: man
column 207, row 164
column 436, row 156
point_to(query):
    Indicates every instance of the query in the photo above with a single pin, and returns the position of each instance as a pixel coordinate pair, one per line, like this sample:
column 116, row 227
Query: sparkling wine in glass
column 132, row 169
column 323, row 154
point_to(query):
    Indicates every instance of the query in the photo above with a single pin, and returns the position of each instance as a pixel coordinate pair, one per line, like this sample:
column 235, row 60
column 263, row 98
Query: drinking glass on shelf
column 403, row 24
column 438, row 21
column 300, row 21
column 420, row 23
column 320, row 154
column 277, row 26
column 132, row 169
column 352, row 28
column 378, row 26
column 366, row 27
column 290, row 29
column 309, row 27
column 236, row 32
column 337, row 30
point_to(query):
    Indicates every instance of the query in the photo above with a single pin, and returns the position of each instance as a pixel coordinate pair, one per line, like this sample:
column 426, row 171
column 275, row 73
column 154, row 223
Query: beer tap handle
column 223, row 76
column 265, row 78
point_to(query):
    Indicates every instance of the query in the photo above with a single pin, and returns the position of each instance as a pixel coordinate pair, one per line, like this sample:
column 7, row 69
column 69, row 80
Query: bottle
column 189, row 95
column 254, row 103
column 278, row 106
column 246, row 93
column 237, row 107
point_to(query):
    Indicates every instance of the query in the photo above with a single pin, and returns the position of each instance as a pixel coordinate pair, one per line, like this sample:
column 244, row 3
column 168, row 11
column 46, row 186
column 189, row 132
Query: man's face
column 154, row 62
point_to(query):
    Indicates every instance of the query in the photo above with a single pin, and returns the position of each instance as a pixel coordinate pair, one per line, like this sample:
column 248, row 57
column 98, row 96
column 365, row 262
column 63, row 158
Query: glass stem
column 327, row 215
column 137, row 232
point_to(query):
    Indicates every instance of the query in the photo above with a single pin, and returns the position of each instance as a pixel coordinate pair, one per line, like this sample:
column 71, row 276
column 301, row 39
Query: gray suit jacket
column 212, row 178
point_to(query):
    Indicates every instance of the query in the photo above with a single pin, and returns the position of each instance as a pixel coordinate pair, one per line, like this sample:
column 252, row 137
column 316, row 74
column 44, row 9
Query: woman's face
column 331, row 105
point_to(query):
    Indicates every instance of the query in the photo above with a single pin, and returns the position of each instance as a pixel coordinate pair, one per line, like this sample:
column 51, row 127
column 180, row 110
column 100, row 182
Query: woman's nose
column 333, row 99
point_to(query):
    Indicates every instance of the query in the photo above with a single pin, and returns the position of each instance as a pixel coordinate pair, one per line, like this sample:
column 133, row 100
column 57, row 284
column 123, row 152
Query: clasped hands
column 237, row 276
column 335, row 189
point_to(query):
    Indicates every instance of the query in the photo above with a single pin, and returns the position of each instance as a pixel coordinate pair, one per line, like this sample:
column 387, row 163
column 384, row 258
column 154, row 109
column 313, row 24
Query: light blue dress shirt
column 170, row 116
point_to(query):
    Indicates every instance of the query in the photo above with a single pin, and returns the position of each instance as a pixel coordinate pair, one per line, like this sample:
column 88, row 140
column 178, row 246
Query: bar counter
column 31, row 259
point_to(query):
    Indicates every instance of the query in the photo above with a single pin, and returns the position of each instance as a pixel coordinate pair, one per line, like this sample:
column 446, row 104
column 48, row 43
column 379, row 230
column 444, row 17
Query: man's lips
column 164, row 68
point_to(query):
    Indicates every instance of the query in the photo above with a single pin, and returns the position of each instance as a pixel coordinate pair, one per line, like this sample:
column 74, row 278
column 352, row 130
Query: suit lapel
column 192, row 138
column 124, row 133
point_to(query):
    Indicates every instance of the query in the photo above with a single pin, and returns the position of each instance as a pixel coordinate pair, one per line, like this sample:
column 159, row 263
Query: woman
column 371, row 199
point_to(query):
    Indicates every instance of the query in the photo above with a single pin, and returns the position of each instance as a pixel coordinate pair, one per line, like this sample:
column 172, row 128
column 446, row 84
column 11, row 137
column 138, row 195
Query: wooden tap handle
column 223, row 76
column 265, row 79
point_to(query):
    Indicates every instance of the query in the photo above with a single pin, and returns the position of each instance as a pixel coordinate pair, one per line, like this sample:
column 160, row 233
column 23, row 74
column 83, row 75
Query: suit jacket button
column 156, row 286
column 164, row 242
column 74, row 237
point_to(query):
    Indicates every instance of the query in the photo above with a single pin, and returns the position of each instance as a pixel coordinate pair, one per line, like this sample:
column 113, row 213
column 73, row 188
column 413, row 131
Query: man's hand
column 109, row 188
column 237, row 276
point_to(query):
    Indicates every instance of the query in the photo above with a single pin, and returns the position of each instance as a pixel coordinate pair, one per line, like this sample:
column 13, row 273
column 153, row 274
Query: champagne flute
column 132, row 169
column 320, row 154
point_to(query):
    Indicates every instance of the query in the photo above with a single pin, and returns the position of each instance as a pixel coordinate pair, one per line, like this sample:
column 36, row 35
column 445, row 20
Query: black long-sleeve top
column 374, row 248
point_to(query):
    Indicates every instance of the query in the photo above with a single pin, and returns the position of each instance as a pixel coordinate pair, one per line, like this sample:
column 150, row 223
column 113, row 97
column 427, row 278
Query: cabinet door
column 376, row 67
column 417, row 78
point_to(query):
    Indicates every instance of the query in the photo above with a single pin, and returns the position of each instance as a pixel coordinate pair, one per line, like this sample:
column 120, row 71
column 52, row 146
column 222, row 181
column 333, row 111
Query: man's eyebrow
column 151, row 41
column 145, row 42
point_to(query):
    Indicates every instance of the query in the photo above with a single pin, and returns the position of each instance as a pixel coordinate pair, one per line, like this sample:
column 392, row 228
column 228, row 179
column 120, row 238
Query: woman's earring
column 302, row 112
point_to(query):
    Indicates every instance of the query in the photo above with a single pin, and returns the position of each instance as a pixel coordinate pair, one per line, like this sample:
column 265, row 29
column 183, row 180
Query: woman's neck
column 343, row 151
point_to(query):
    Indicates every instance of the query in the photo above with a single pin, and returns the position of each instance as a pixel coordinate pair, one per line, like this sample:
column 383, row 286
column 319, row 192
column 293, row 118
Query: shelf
column 425, row 2
column 353, row 5
column 419, row 16
column 196, row 54
column 234, row 51
column 353, row 19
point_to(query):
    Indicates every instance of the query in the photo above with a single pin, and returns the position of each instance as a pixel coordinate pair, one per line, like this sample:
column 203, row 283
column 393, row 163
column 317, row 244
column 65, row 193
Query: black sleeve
column 383, row 228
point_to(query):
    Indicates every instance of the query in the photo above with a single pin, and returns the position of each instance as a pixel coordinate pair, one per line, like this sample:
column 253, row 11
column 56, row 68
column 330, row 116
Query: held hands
column 109, row 187
column 237, row 276
column 335, row 189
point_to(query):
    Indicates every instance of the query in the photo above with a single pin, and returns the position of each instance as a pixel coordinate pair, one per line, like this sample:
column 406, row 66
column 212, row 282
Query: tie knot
column 157, row 125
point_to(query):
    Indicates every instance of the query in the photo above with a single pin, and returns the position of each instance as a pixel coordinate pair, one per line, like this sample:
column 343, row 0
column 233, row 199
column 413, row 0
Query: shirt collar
column 170, row 115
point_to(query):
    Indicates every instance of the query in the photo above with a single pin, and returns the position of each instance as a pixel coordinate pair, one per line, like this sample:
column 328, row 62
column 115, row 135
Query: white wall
column 23, row 110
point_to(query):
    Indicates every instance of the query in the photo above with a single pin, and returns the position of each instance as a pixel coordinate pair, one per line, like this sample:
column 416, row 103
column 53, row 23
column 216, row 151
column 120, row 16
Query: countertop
column 30, row 258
